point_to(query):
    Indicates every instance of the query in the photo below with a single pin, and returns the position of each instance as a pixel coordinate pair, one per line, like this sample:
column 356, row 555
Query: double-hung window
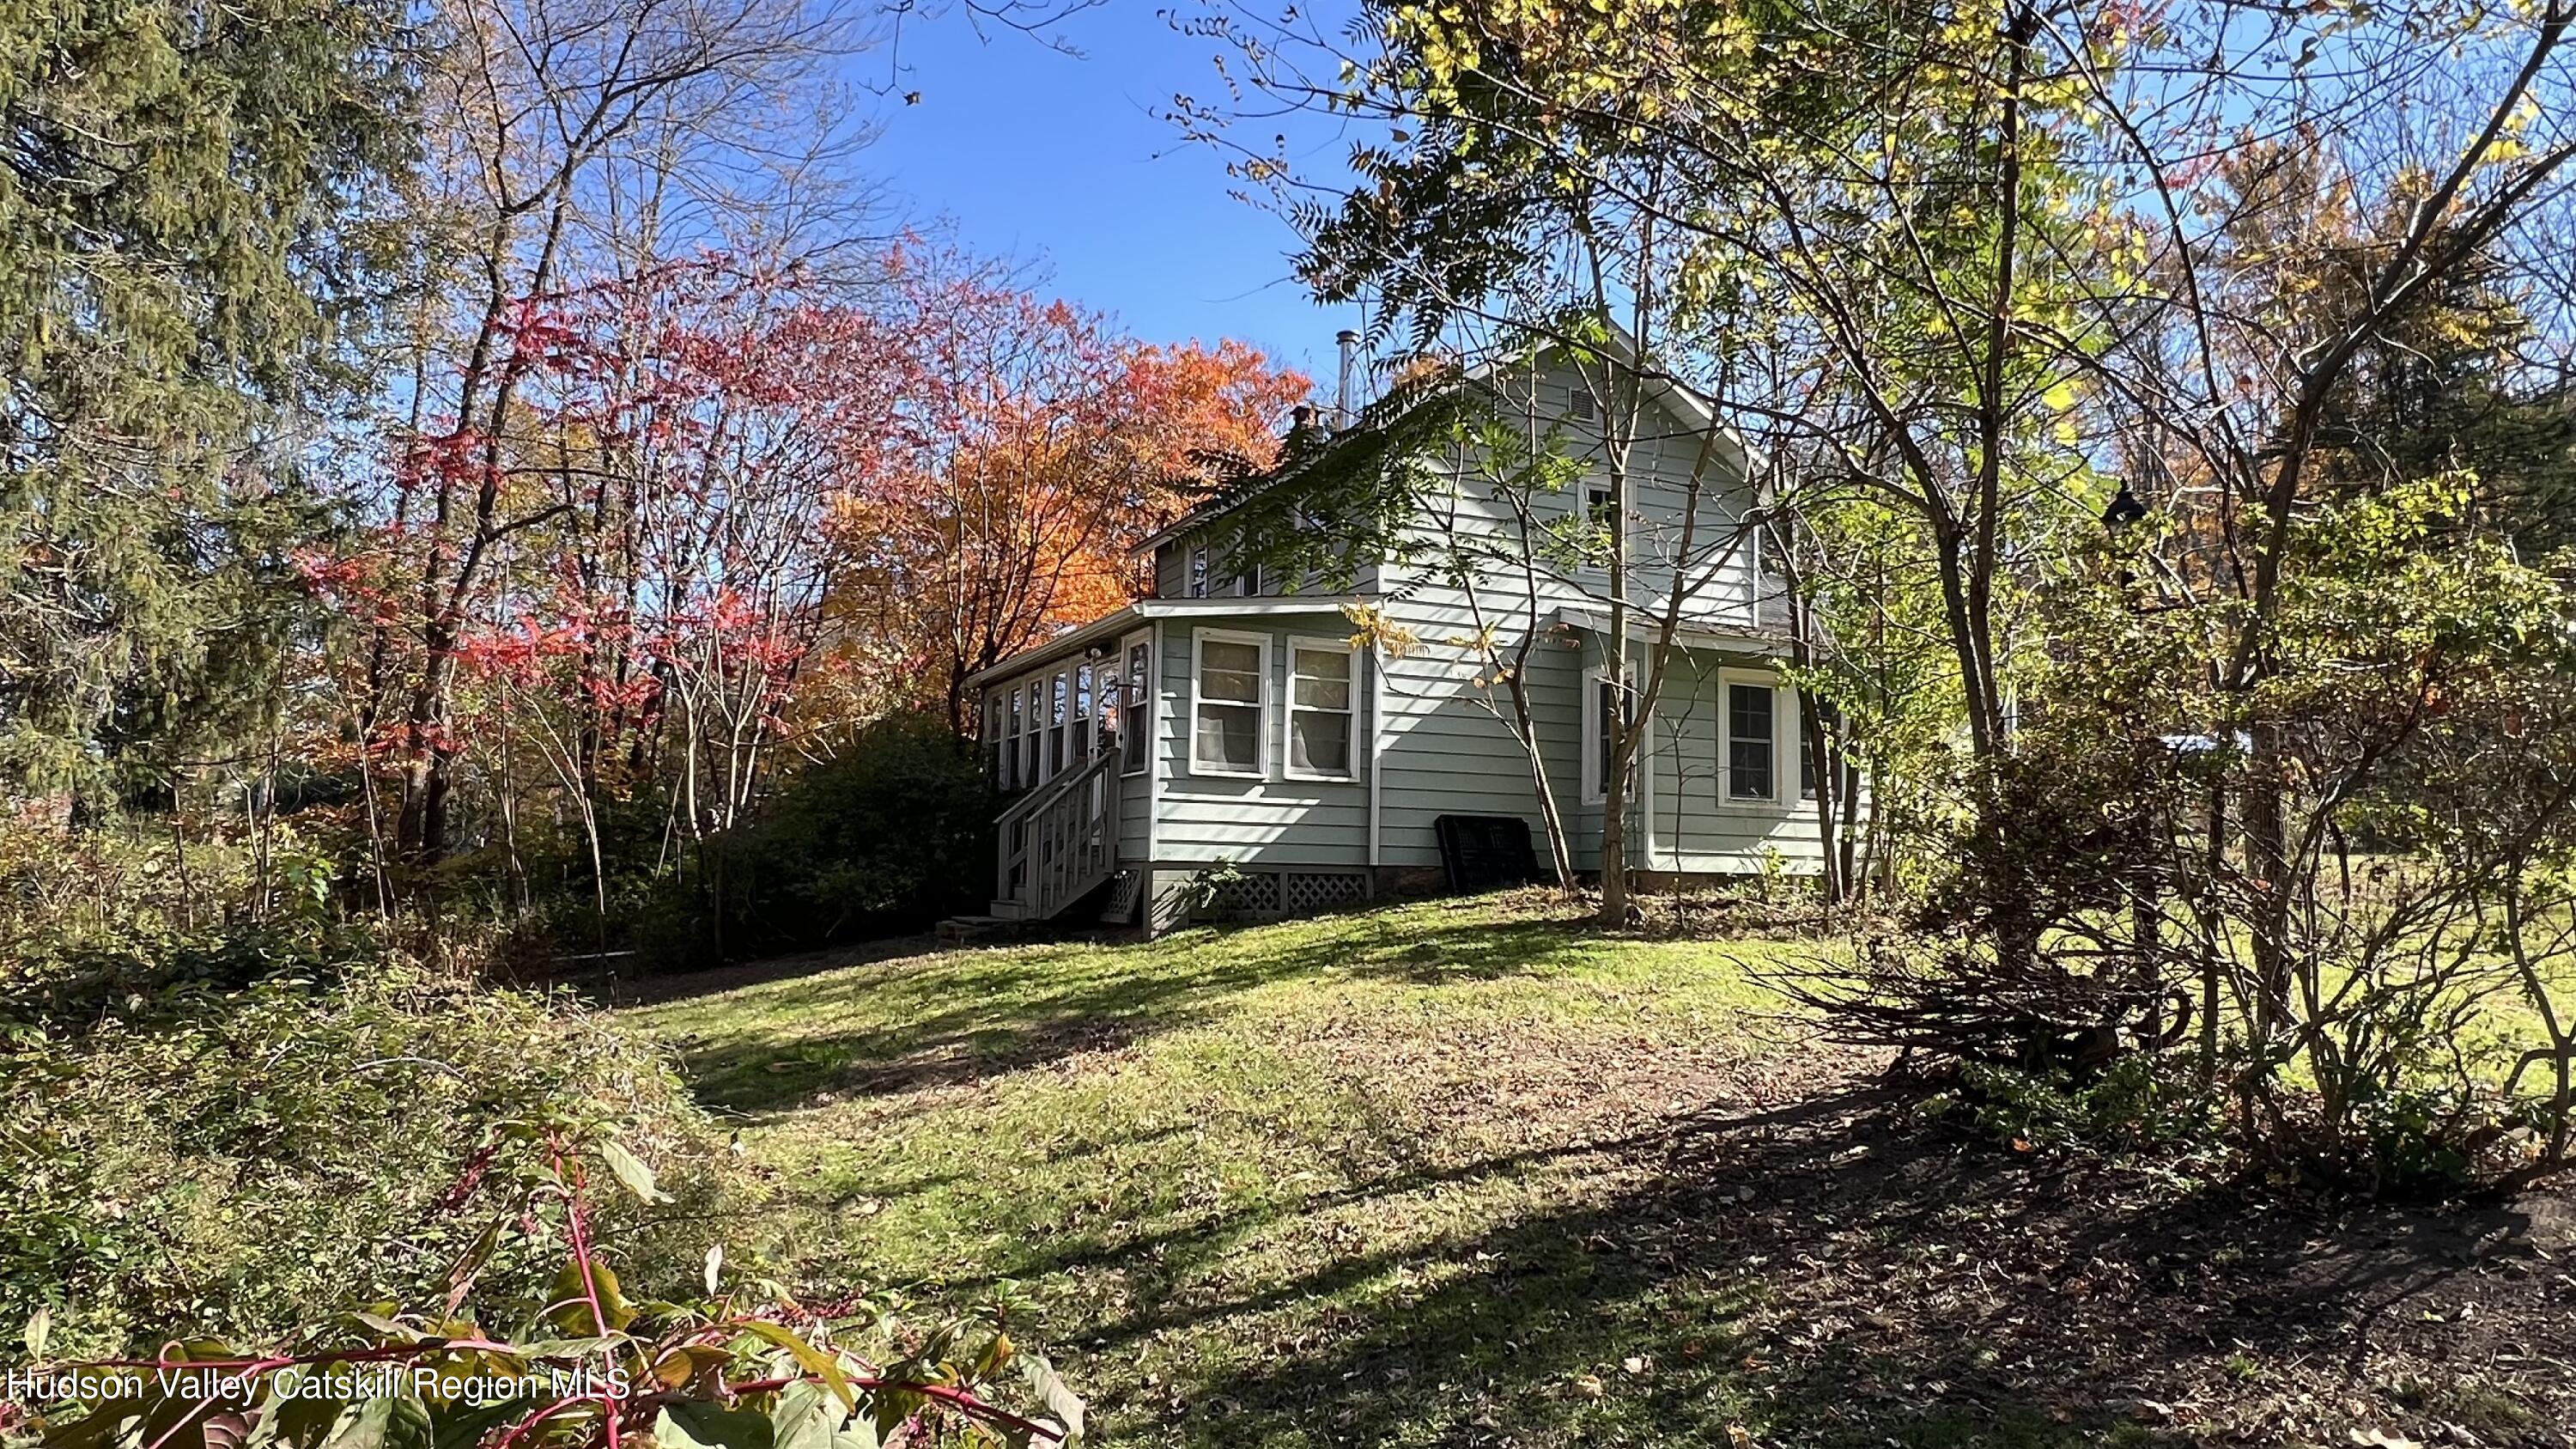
column 1135, row 717
column 1198, row 572
column 993, row 743
column 1319, row 709
column 1752, row 741
column 1228, row 687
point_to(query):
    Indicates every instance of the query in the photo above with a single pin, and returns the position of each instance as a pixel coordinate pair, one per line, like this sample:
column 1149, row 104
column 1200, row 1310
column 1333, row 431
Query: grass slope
column 1466, row 1173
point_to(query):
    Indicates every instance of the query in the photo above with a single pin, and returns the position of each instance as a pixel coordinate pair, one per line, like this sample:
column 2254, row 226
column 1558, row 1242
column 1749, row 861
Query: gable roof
column 1685, row 403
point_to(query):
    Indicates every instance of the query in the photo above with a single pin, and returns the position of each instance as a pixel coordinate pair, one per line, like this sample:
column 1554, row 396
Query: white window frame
column 1199, row 640
column 1585, row 511
column 1595, row 788
column 1032, row 736
column 1058, row 694
column 1136, row 713
column 1010, row 737
column 1194, row 572
column 1289, row 709
column 1783, row 727
column 1082, row 739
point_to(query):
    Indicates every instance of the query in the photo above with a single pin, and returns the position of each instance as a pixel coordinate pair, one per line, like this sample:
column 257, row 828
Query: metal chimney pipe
column 1350, row 344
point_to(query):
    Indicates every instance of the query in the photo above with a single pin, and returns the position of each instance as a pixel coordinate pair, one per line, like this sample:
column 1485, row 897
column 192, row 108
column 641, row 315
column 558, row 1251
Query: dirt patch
column 1902, row 1264
column 1894, row 1282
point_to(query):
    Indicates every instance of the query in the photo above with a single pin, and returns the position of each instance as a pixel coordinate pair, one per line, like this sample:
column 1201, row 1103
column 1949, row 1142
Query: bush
column 287, row 1187
column 886, row 837
column 2138, row 1104
column 577, row 1363
column 241, row 1159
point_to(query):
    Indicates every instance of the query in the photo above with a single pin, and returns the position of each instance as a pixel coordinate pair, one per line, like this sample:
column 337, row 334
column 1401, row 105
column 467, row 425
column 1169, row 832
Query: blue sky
column 1066, row 162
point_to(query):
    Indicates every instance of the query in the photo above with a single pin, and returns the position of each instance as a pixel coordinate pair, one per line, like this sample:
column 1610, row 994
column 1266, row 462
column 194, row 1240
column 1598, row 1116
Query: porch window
column 1227, row 706
column 1033, row 743
column 1113, row 707
column 1083, row 707
column 1013, row 771
column 1060, row 711
column 1750, row 741
column 1319, row 708
column 993, row 744
column 1135, row 717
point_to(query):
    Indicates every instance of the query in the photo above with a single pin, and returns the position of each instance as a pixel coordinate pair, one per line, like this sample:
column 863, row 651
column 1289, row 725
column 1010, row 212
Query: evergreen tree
column 2447, row 389
column 197, row 210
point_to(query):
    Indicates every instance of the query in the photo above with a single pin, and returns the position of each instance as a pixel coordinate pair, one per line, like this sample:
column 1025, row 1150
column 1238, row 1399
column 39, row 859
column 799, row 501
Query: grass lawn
column 1468, row 1173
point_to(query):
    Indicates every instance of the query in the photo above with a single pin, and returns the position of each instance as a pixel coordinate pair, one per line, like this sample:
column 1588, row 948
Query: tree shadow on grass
column 1827, row 1275
column 1817, row 1272
column 946, row 1020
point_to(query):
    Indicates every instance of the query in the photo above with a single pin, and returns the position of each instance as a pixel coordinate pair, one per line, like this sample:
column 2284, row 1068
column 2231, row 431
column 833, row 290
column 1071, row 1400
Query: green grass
column 1453, row 1173
column 1311, row 1183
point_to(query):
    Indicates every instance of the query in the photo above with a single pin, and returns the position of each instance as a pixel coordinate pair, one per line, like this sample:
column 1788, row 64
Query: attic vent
column 1581, row 409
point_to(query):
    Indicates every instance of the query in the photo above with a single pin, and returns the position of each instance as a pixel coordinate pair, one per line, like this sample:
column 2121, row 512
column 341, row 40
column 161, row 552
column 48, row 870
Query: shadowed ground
column 1466, row 1173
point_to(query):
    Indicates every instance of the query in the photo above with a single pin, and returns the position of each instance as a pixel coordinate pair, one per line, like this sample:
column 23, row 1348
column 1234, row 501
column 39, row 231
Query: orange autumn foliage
column 1042, row 448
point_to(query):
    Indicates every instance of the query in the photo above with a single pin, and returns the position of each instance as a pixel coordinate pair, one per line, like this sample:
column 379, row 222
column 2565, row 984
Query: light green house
column 1224, row 744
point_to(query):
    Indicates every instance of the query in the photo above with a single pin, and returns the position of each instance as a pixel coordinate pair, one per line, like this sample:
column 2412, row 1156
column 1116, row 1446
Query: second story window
column 1247, row 584
column 1599, row 514
column 1198, row 577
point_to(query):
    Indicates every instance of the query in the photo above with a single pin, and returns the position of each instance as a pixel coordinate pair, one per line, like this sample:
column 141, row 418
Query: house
column 1222, row 743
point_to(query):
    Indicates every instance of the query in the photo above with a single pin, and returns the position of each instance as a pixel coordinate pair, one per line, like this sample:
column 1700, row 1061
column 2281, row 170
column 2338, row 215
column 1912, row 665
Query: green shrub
column 888, row 836
column 240, row 1159
column 2138, row 1103
column 575, row 1360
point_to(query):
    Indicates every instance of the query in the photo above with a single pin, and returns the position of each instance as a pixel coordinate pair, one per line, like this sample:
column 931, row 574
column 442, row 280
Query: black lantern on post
column 2125, row 509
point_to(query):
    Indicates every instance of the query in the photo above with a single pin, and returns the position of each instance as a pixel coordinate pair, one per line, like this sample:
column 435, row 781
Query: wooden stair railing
column 1059, row 842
